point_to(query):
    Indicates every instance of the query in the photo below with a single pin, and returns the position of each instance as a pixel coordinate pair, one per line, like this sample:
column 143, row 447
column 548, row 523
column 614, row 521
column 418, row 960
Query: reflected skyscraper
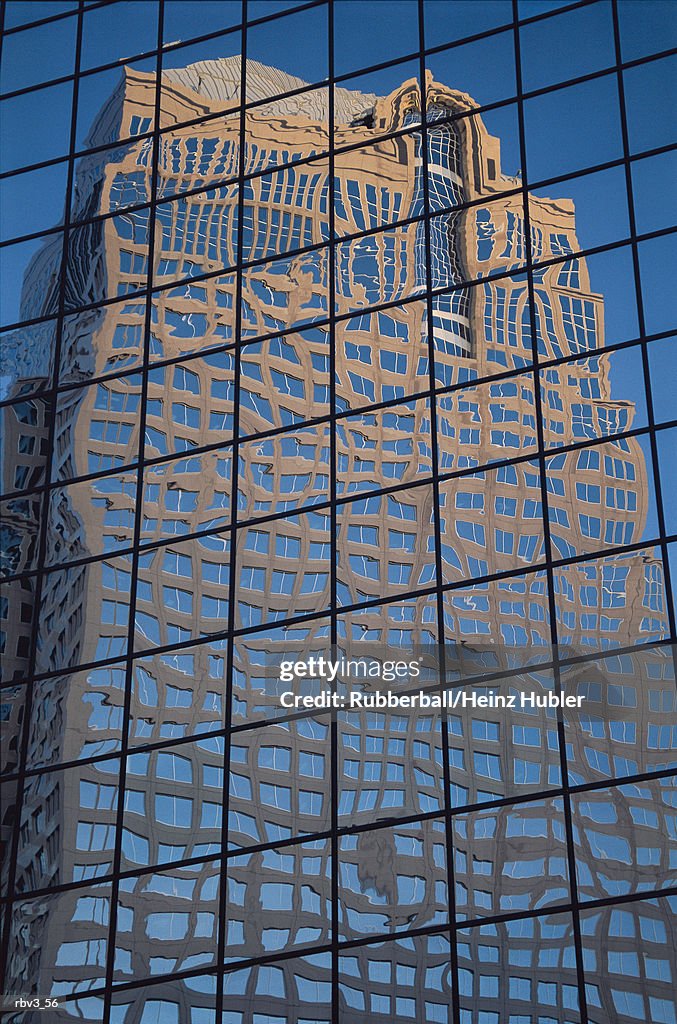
column 301, row 408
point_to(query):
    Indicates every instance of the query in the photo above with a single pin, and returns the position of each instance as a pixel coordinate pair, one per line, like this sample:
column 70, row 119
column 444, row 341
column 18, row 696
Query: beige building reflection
column 395, row 878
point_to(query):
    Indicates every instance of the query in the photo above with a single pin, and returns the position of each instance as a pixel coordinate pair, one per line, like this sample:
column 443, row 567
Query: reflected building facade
column 320, row 422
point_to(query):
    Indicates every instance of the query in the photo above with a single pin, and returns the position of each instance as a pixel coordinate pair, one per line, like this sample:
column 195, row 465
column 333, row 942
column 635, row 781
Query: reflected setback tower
column 240, row 250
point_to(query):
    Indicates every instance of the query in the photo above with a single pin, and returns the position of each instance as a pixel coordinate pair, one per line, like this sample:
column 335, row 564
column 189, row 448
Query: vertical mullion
column 437, row 528
column 552, row 606
column 333, row 519
column 50, row 398
column 138, row 519
column 641, row 321
column 234, row 473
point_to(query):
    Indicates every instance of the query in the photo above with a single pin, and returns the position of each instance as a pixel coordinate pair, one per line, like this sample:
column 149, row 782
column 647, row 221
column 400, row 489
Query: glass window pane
column 24, row 12
column 646, row 28
column 52, row 49
column 569, row 45
column 559, row 142
column 378, row 39
column 448, row 20
column 48, row 111
column 649, row 124
column 111, row 33
column 483, row 70
column 281, row 46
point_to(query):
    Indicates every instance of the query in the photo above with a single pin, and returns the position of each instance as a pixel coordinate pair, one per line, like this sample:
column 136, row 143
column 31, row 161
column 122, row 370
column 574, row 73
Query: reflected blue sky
column 559, row 140
column 52, row 51
column 23, row 12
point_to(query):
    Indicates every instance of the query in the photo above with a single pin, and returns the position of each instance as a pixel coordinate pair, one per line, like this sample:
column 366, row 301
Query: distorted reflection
column 166, row 428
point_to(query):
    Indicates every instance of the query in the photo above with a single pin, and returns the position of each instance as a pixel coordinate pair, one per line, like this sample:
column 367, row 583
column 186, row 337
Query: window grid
column 448, row 816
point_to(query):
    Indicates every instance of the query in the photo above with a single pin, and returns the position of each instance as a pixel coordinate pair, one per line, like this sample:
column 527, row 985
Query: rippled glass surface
column 346, row 330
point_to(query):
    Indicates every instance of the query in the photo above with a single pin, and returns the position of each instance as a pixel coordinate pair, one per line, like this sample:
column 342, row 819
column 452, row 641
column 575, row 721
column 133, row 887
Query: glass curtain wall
column 338, row 327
